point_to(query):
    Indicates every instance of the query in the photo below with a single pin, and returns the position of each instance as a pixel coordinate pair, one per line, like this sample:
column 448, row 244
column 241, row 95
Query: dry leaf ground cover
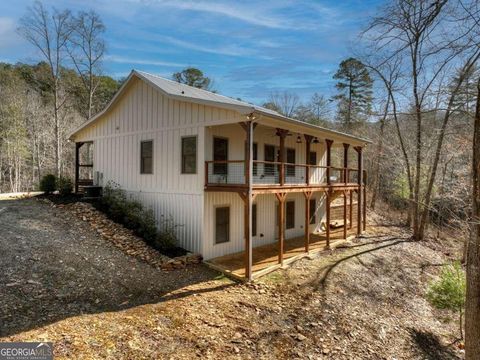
column 63, row 283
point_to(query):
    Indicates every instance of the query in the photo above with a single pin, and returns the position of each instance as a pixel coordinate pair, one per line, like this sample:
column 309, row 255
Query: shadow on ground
column 55, row 267
column 430, row 347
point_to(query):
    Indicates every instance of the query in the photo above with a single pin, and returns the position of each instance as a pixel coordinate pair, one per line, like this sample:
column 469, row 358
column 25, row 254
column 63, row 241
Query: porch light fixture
column 315, row 140
column 299, row 139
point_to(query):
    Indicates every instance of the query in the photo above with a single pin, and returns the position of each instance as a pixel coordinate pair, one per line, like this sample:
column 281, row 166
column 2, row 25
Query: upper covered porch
column 283, row 156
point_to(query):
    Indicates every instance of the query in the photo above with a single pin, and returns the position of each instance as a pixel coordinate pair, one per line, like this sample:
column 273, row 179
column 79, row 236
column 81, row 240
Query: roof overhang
column 265, row 116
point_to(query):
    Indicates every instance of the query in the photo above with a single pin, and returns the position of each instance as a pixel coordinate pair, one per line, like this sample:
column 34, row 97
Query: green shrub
column 128, row 212
column 48, row 184
column 449, row 291
column 64, row 186
column 167, row 237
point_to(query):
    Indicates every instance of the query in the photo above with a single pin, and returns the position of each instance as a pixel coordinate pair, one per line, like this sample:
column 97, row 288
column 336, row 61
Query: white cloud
column 8, row 35
column 231, row 10
column 129, row 60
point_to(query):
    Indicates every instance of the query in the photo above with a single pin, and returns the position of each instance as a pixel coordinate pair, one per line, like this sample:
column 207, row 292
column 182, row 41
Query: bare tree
column 472, row 304
column 50, row 34
column 284, row 102
column 421, row 33
column 86, row 50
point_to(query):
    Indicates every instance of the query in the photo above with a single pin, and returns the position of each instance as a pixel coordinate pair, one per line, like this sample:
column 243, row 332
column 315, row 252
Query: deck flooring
column 266, row 256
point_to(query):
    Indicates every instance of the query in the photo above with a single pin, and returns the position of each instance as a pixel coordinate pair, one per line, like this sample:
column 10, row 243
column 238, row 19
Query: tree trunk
column 378, row 158
column 472, row 304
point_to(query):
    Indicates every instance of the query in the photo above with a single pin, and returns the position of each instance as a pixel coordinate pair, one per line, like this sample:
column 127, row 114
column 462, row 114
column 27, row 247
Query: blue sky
column 249, row 48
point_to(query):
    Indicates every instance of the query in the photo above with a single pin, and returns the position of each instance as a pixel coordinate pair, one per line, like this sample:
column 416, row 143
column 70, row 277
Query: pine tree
column 354, row 96
column 193, row 77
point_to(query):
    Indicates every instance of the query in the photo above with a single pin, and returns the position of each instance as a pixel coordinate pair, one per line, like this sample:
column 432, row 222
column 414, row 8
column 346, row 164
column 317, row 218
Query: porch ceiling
column 297, row 126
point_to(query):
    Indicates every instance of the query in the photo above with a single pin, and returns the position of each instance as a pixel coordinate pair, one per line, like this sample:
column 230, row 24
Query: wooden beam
column 281, row 229
column 329, row 158
column 358, row 149
column 308, row 196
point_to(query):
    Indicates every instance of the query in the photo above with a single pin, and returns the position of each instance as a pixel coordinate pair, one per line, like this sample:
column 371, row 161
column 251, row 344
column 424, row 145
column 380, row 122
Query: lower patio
column 265, row 257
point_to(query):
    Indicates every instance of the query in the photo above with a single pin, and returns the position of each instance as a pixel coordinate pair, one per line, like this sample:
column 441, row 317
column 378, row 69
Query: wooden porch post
column 327, row 199
column 345, row 162
column 308, row 196
column 281, row 219
column 345, row 214
column 345, row 181
column 282, row 134
column 78, row 145
column 329, row 158
column 350, row 213
column 358, row 149
column 327, row 193
column 248, row 126
column 364, row 200
column 308, row 142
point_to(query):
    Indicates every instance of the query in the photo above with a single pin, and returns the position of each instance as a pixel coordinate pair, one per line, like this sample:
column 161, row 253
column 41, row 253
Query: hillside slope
column 92, row 301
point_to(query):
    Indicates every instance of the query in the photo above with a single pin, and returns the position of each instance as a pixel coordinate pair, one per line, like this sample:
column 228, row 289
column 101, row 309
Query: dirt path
column 64, row 284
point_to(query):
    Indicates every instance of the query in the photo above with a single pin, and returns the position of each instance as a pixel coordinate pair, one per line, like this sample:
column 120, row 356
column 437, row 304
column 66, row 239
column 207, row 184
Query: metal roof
column 188, row 93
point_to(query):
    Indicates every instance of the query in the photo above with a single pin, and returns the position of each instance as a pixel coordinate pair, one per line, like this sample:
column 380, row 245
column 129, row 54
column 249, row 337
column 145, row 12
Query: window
column 312, row 158
column 220, row 153
column 313, row 207
column 290, row 214
column 146, row 157
column 254, row 219
column 290, row 160
column 222, row 225
column 269, row 155
column 189, row 155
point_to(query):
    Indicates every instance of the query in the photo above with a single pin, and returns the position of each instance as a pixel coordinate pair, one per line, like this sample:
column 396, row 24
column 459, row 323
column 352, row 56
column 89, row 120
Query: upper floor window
column 189, row 155
column 146, row 157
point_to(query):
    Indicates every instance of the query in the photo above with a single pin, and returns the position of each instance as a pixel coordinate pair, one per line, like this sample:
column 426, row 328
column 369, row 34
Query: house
column 251, row 188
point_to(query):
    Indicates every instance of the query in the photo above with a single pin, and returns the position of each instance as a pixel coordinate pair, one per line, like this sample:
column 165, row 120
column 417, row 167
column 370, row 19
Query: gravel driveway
column 54, row 266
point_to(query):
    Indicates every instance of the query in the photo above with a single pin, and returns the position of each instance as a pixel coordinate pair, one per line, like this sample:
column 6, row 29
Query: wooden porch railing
column 232, row 172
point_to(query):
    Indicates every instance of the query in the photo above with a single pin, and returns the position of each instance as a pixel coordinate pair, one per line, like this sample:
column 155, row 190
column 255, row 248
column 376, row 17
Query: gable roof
column 188, row 93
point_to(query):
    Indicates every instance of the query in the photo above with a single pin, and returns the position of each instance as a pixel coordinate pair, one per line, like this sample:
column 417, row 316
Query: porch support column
column 345, row 162
column 308, row 142
column 358, row 149
column 350, row 213
column 364, row 200
column 308, row 196
column 247, row 197
column 281, row 228
column 282, row 134
column 345, row 214
column 329, row 158
column 78, row 145
column 327, row 205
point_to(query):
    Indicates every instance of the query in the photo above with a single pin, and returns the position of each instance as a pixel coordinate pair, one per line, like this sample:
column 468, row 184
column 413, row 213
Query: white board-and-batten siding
column 267, row 226
column 267, row 223
column 145, row 113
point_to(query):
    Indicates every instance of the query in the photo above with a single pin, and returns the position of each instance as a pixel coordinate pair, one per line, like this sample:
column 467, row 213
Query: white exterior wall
column 267, row 223
column 144, row 113
column 266, row 203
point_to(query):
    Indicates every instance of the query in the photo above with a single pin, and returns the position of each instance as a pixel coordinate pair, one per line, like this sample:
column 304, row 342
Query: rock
column 301, row 337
